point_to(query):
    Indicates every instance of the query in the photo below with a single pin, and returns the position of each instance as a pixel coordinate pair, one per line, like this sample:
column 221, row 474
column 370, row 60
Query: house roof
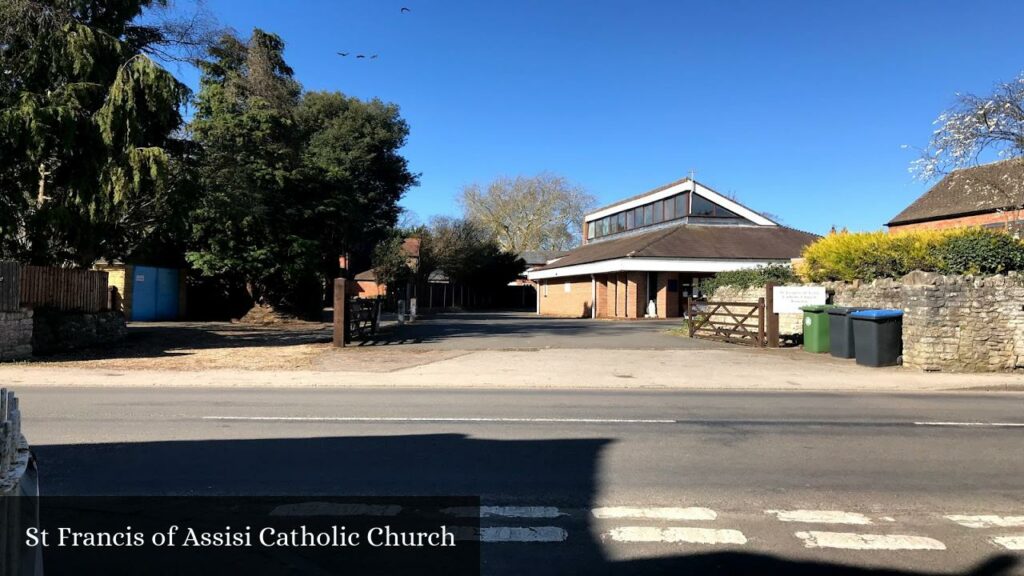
column 979, row 189
column 366, row 275
column 696, row 241
column 541, row 257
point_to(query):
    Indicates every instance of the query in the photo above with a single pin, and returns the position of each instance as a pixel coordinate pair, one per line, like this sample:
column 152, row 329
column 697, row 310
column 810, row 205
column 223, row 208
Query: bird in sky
column 374, row 57
column 342, row 53
column 404, row 10
column 360, row 55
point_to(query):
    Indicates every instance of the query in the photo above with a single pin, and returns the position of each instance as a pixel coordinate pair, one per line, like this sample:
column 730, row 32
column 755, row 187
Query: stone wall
column 950, row 323
column 15, row 335
column 54, row 331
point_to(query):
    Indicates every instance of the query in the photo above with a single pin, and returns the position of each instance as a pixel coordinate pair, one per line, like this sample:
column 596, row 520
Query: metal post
column 339, row 313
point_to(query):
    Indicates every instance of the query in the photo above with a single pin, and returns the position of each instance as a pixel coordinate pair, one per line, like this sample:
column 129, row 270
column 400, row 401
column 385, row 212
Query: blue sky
column 797, row 108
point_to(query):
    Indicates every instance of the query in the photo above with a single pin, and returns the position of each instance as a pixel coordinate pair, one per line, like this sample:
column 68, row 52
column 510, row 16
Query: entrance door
column 651, row 306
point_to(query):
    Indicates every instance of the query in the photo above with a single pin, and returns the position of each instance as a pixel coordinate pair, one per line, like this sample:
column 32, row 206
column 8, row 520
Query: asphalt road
column 524, row 330
column 689, row 467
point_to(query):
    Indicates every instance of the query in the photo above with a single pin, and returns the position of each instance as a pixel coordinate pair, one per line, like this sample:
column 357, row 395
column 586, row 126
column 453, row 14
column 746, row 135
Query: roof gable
column 677, row 187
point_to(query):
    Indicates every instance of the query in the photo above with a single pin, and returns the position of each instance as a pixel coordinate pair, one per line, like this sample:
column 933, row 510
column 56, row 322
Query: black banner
column 249, row 535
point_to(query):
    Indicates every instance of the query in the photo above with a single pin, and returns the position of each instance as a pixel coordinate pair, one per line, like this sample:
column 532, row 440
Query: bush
column 750, row 277
column 871, row 255
column 979, row 251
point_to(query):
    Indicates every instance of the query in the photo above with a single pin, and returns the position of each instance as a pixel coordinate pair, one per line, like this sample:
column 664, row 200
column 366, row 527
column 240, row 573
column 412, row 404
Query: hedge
column 870, row 255
column 750, row 278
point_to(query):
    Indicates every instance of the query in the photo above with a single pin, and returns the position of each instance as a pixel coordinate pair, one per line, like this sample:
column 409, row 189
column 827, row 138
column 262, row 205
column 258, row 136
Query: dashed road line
column 683, row 535
column 973, row 424
column 663, row 513
column 504, row 512
column 820, row 516
column 987, row 521
column 442, row 419
column 1015, row 543
column 854, row 541
column 335, row 509
column 539, row 534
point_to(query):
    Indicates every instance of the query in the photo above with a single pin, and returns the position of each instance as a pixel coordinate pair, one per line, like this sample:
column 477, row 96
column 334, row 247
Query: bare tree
column 542, row 212
column 977, row 125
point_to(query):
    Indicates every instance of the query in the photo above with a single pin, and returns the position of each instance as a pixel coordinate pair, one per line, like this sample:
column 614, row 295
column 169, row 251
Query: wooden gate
column 733, row 322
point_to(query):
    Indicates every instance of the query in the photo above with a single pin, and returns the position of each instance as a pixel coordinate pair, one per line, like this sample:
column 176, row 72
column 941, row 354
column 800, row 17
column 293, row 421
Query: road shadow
column 559, row 472
column 513, row 330
column 171, row 339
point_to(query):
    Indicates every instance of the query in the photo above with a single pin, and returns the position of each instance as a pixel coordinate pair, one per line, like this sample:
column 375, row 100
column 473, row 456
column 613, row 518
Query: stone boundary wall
column 950, row 323
column 54, row 331
column 15, row 335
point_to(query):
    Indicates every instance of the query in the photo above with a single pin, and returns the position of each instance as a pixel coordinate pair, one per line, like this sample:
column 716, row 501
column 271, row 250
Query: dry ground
column 194, row 346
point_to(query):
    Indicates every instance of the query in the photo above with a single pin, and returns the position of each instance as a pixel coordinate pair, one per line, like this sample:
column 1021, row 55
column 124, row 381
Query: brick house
column 989, row 195
column 643, row 256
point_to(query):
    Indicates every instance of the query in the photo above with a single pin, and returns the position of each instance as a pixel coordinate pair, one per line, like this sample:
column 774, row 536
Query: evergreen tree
column 86, row 130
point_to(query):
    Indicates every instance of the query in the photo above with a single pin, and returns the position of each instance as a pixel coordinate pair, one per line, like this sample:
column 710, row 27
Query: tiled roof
column 696, row 241
column 984, row 188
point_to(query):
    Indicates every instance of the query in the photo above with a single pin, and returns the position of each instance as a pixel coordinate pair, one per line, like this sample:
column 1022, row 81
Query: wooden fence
column 733, row 322
column 10, row 286
column 65, row 289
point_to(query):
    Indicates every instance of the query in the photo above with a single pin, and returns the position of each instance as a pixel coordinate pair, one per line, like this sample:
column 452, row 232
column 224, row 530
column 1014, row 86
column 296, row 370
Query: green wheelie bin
column 816, row 328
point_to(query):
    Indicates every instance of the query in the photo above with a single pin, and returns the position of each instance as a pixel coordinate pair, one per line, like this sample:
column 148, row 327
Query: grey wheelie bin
column 840, row 331
column 878, row 337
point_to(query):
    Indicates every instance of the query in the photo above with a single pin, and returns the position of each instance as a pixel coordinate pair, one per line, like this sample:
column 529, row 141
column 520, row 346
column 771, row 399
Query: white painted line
column 335, row 509
column 504, row 512
column 820, row 516
column 987, row 521
column 852, row 541
column 677, row 535
column 442, row 419
column 523, row 534
column 655, row 513
column 1010, row 542
column 974, row 424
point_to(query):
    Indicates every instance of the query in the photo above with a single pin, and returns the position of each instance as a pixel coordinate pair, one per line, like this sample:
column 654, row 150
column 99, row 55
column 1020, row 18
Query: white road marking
column 677, row 535
column 987, row 521
column 523, row 534
column 974, row 424
column 335, row 509
column 820, row 516
column 504, row 511
column 1010, row 542
column 852, row 541
column 443, row 419
column 655, row 513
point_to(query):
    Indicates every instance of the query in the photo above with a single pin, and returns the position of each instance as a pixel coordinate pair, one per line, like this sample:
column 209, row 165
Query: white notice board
column 789, row 299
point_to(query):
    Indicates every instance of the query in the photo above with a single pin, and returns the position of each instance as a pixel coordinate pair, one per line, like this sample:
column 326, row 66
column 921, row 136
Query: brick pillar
column 620, row 295
column 668, row 302
column 672, row 304
column 636, row 299
column 602, row 297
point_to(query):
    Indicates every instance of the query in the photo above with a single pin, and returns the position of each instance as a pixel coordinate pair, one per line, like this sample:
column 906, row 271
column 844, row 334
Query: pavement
column 589, row 481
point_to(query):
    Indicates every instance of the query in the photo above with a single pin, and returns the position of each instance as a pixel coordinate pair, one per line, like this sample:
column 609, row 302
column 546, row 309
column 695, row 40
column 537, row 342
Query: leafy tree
column 291, row 180
column 542, row 212
column 87, row 125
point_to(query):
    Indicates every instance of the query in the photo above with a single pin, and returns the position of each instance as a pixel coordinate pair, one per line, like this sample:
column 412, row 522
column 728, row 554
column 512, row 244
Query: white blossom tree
column 991, row 125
